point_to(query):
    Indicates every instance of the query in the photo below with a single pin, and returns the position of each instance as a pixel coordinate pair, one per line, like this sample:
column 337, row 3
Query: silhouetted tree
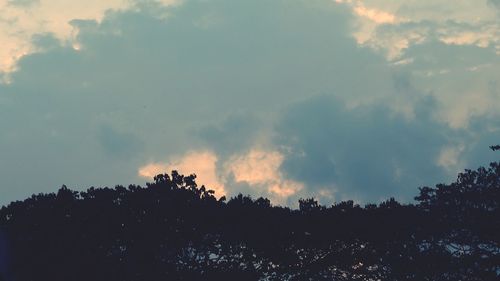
column 172, row 229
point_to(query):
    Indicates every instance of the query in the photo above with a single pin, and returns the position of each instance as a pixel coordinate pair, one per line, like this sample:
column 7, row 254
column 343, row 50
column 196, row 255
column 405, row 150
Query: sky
column 286, row 99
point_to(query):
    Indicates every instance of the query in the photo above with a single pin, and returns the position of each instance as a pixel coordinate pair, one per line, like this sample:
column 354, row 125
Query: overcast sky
column 338, row 99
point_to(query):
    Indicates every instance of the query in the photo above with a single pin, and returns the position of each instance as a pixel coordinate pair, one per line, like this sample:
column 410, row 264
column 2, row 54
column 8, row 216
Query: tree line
column 173, row 229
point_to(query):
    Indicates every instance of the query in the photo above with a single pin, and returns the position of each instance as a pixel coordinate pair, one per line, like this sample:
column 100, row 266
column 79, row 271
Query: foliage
column 174, row 230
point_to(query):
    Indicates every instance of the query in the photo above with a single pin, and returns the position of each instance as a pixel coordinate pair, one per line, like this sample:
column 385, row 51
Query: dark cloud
column 364, row 153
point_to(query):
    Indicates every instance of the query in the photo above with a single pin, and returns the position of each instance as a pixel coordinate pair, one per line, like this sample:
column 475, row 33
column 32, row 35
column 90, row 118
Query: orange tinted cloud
column 152, row 169
column 285, row 188
column 374, row 15
column 255, row 167
column 258, row 168
column 201, row 163
column 261, row 169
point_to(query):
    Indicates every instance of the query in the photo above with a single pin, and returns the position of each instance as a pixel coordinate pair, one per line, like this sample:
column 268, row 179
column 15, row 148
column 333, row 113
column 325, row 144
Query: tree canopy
column 173, row 229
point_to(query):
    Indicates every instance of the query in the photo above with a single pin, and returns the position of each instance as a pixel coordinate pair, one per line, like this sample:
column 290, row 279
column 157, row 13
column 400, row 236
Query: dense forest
column 172, row 229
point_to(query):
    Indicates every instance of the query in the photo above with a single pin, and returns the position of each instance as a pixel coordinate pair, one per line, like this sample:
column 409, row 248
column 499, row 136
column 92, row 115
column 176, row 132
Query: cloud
column 495, row 3
column 375, row 15
column 255, row 167
column 20, row 20
column 256, row 172
column 449, row 157
column 464, row 88
column 418, row 21
column 234, row 133
column 362, row 151
column 260, row 169
column 103, row 89
column 202, row 163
